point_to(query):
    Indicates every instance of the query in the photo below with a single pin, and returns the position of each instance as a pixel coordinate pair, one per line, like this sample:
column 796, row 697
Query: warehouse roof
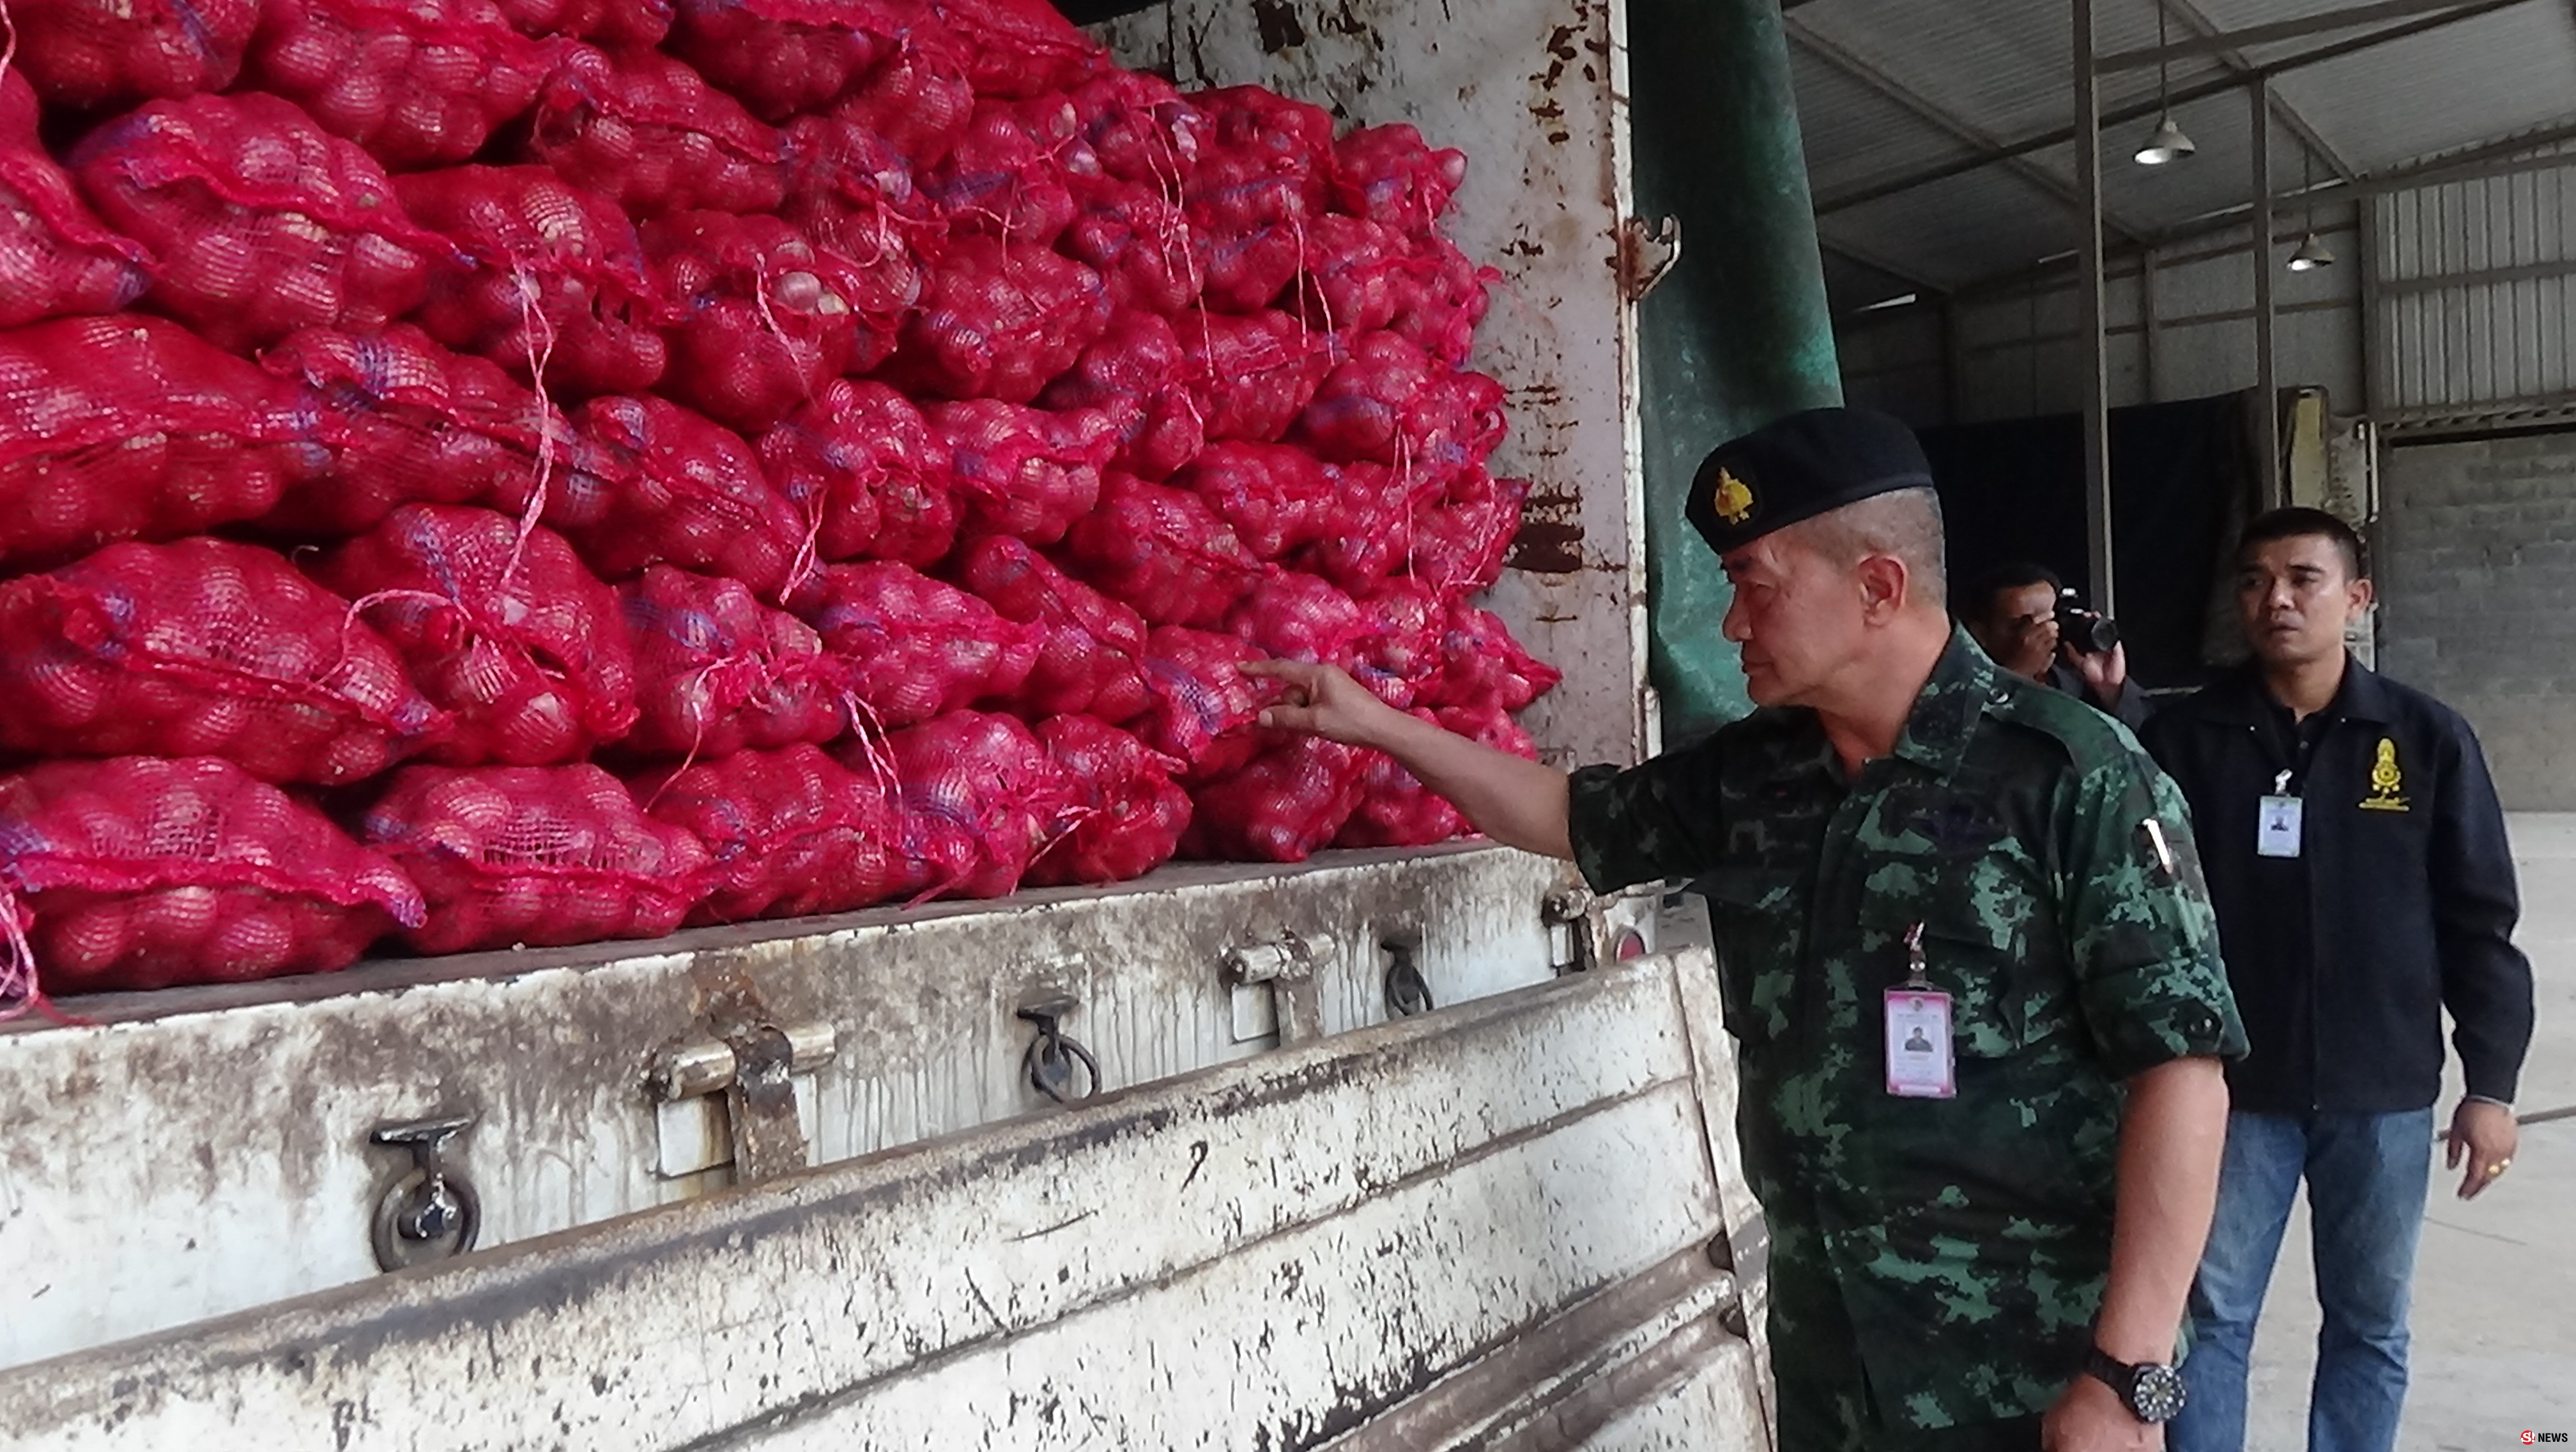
column 1937, row 136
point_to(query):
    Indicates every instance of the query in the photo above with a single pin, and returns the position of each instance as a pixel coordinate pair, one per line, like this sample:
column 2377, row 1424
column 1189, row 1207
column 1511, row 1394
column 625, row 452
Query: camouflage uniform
column 1937, row 1263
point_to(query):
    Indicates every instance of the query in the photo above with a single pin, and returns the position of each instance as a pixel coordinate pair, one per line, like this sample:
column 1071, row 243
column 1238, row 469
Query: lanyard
column 2295, row 756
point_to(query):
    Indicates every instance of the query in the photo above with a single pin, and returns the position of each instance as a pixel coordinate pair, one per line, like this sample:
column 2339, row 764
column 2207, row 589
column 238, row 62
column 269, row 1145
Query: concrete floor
column 2495, row 1282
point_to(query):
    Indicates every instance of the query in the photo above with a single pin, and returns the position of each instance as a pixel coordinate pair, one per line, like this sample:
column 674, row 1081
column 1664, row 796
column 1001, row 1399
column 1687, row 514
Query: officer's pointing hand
column 1322, row 700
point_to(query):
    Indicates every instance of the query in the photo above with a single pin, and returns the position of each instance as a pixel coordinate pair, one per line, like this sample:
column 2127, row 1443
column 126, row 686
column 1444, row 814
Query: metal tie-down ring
column 432, row 1213
column 1051, row 1055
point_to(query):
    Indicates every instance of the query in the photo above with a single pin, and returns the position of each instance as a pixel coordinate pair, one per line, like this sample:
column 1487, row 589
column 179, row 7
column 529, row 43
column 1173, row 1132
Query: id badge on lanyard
column 2277, row 821
column 1920, row 1064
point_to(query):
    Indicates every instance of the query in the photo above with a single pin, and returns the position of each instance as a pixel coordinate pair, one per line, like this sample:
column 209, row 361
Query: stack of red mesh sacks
column 876, row 431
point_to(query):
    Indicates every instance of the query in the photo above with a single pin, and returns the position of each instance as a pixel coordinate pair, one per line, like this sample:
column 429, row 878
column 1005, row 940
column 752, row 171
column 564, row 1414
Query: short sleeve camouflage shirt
column 1968, row 1238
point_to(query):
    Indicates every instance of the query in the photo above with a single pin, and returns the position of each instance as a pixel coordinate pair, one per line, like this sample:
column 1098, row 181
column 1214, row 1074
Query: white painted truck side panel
column 196, row 1152
column 1319, row 1243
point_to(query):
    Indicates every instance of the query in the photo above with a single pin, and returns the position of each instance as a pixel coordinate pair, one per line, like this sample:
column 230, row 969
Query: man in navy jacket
column 2357, row 857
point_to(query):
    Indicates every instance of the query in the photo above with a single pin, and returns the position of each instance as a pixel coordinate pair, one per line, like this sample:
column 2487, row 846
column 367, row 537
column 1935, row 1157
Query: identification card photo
column 1919, row 1063
column 2276, row 827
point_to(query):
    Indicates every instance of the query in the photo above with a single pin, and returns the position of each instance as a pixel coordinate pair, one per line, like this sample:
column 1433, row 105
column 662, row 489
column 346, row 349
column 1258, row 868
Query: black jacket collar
column 2238, row 698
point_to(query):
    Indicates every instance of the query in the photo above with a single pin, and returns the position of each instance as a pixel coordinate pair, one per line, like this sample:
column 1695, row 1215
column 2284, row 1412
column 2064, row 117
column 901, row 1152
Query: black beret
column 1798, row 467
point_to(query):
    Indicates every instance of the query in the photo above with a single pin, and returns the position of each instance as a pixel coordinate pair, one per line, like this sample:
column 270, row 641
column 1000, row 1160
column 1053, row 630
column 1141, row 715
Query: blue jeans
column 2368, row 1175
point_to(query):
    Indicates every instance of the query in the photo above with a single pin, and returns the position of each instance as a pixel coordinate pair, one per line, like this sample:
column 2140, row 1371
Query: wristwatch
column 2152, row 1393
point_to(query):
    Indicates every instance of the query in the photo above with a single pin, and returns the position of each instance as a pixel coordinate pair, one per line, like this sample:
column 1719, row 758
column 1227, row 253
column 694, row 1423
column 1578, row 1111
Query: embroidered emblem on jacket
column 2387, row 782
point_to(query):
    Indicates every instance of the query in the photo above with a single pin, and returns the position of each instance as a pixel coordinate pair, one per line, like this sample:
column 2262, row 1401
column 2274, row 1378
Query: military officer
column 1966, row 952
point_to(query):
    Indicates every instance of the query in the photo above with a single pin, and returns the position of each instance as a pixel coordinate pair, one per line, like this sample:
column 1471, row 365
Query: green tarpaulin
column 1738, row 333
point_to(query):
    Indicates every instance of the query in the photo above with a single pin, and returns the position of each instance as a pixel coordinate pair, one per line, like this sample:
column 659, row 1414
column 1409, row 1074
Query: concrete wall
column 2477, row 571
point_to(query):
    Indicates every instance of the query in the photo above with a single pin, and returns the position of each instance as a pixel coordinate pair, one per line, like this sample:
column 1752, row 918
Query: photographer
column 2017, row 613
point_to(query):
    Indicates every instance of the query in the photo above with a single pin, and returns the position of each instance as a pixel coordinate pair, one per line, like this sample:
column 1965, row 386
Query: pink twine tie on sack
column 769, row 320
column 701, row 704
column 874, row 748
column 1178, row 233
column 533, row 327
column 364, row 603
column 1067, row 822
column 20, row 993
column 8, row 40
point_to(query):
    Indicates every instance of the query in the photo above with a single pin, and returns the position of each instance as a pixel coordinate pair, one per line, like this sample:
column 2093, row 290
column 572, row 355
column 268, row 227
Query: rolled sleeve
column 2145, row 939
column 1661, row 819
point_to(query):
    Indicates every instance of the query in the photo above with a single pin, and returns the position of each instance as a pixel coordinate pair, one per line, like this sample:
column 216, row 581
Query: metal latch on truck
column 751, row 1068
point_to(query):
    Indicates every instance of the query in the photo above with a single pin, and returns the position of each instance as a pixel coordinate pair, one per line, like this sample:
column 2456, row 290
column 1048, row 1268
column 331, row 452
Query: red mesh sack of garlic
column 1139, row 142
column 1355, row 275
column 650, row 134
column 791, row 833
column 129, row 427
column 552, row 278
column 785, row 58
column 1439, row 299
column 613, row 24
column 849, row 190
column 259, row 221
column 1161, row 551
column 391, row 418
column 1389, row 174
column 1124, row 815
column 1290, row 800
column 1091, row 656
column 97, row 54
column 1018, row 48
column 1252, row 375
column 1369, row 524
column 1139, row 128
column 1277, row 498
column 535, row 856
column 1482, row 666
column 917, row 648
column 1025, row 472
column 203, row 648
column 1460, row 541
column 56, row 258
column 718, row 672
column 416, row 82
column 871, row 478
column 1204, row 708
column 1454, row 425
column 1010, row 174
column 1396, row 810
column 761, row 318
column 979, row 798
column 141, row 873
column 1137, row 374
column 516, row 637
column 1294, row 616
column 1139, row 240
column 1264, row 169
column 1387, row 403
column 1401, row 651
column 998, row 321
column 918, row 98
column 670, row 488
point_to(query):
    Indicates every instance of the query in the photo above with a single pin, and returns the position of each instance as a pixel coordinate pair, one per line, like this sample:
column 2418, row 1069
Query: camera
column 2090, row 631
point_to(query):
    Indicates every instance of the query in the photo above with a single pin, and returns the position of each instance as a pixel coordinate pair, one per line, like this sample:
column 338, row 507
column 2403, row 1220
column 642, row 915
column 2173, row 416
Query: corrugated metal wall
column 2015, row 352
column 2476, row 299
